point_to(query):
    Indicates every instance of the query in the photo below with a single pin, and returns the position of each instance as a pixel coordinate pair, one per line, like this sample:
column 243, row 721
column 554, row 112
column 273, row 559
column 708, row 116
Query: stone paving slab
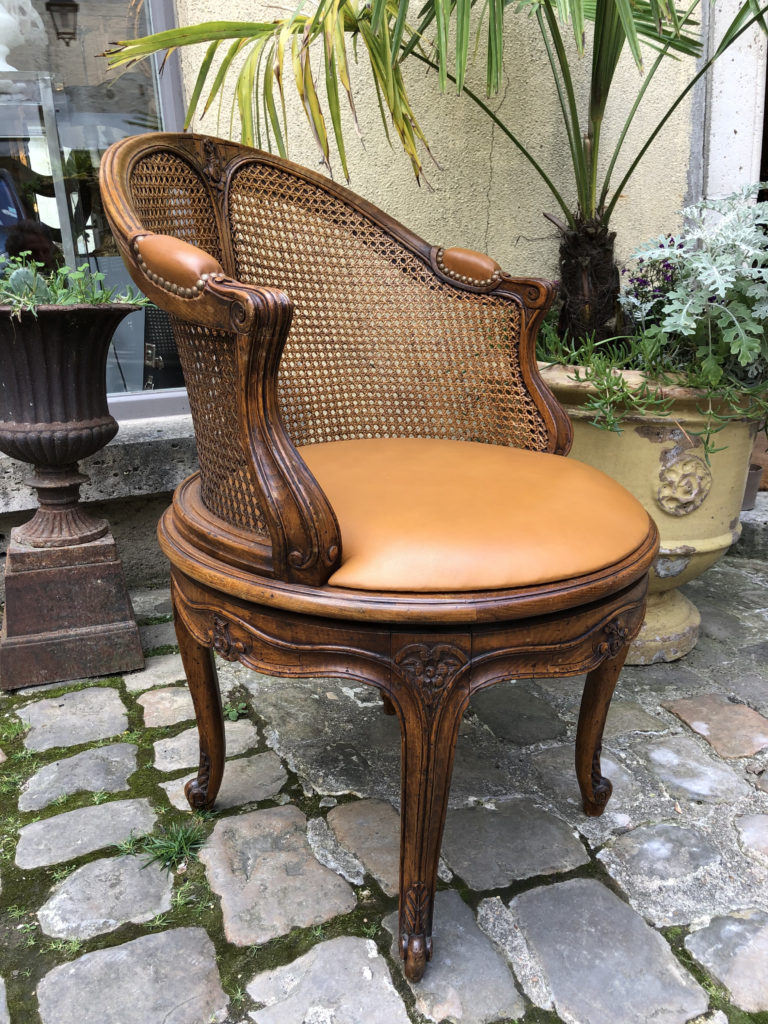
column 341, row 744
column 628, row 718
column 515, row 714
column 246, row 780
column 734, row 950
column 75, row 833
column 753, row 835
column 104, row 895
column 160, row 670
column 81, row 716
column 159, row 634
column 467, row 980
column 2, row 757
column 167, row 706
column 370, row 829
column 687, row 772
column 577, row 948
column 262, row 867
column 342, row 981
column 669, row 871
column 329, row 851
column 5, row 1017
column 171, row 978
column 734, row 730
column 183, row 751
column 491, row 848
column 102, row 769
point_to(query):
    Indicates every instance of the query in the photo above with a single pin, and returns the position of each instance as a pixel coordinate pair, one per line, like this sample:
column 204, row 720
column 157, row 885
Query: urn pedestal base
column 670, row 629
column 67, row 614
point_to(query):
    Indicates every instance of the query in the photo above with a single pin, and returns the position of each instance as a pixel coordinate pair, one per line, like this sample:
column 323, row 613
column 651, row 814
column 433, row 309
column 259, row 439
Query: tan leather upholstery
column 466, row 263
column 432, row 515
column 175, row 261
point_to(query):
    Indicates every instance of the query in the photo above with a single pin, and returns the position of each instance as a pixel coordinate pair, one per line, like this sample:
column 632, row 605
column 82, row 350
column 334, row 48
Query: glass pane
column 59, row 110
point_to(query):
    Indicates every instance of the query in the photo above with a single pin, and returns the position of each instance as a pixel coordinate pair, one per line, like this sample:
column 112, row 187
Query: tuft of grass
column 169, row 847
column 11, row 729
column 100, row 796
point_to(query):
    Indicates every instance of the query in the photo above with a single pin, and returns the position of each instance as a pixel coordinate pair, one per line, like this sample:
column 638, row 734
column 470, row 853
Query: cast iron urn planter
column 67, row 612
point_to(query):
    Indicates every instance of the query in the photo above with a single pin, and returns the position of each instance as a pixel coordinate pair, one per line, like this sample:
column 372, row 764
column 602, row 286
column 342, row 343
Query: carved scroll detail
column 223, row 643
column 196, row 790
column 430, row 668
column 616, row 635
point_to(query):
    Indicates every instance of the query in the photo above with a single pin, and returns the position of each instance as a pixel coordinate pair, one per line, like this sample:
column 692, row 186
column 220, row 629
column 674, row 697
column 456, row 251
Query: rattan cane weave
column 379, row 346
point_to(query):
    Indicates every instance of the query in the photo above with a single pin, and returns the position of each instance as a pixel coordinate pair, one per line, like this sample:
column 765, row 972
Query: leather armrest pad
column 466, row 264
column 170, row 261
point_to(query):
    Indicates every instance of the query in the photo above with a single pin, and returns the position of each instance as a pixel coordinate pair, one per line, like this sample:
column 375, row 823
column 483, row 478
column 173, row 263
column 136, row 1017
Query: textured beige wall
column 486, row 196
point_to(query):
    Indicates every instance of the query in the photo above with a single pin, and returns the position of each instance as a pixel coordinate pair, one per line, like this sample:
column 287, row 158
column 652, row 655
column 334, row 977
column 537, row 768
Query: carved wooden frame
column 268, row 606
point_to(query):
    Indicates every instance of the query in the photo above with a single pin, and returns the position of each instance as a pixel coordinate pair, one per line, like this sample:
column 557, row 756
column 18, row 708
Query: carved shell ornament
column 684, row 484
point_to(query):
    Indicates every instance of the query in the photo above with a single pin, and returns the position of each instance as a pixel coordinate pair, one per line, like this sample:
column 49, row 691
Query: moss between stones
column 28, row 955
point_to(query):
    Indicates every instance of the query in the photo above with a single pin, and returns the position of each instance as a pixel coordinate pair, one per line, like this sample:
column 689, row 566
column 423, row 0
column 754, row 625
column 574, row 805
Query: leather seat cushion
column 434, row 515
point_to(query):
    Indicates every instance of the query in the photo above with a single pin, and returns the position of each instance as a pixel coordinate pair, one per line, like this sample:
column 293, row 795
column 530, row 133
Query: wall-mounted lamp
column 64, row 17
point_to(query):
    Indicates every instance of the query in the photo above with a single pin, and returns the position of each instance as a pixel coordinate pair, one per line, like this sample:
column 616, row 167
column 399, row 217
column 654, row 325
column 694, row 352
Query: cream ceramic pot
column 695, row 503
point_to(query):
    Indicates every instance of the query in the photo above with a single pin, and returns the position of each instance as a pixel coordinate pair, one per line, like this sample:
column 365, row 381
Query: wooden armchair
column 382, row 491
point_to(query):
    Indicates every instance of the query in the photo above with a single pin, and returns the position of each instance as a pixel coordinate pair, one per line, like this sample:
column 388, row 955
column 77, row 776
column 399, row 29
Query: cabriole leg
column 595, row 701
column 200, row 670
column 429, row 699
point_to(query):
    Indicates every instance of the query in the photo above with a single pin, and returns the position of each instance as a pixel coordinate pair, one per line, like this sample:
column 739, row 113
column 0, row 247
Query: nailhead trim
column 169, row 286
column 477, row 282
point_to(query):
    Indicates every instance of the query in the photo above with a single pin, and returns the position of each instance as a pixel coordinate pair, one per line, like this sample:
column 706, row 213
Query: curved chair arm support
column 190, row 283
column 467, row 269
column 306, row 540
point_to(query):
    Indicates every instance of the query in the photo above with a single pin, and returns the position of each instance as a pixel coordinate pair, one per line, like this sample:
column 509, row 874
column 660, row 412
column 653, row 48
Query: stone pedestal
column 67, row 614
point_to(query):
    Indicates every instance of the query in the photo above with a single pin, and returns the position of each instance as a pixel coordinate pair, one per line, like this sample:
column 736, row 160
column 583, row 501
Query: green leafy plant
column 24, row 286
column 234, row 711
column 696, row 306
column 266, row 56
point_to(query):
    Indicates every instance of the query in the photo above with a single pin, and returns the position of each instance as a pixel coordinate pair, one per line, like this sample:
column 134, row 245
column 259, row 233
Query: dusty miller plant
column 716, row 302
column 696, row 315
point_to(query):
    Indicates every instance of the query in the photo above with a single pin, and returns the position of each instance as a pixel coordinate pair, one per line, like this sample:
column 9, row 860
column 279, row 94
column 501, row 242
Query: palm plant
column 267, row 54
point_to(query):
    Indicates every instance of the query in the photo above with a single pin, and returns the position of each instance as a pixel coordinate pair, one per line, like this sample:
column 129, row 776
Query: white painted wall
column 486, row 196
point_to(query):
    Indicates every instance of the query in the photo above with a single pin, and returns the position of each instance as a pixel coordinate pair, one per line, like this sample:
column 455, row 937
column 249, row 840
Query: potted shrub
column 67, row 612
column 671, row 407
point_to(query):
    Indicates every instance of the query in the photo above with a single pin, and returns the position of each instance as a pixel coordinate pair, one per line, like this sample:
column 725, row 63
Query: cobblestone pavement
column 118, row 906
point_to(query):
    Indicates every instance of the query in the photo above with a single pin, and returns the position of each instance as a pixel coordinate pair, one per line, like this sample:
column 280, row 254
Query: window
column 59, row 110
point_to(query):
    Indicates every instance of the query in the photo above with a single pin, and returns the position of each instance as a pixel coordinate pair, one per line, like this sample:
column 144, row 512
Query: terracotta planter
column 695, row 504
column 67, row 610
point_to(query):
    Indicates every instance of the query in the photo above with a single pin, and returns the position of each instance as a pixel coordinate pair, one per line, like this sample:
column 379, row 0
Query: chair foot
column 415, row 952
column 598, row 689
column 203, row 683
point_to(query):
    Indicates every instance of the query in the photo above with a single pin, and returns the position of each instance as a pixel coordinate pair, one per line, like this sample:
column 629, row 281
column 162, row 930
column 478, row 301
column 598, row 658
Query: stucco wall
column 486, row 196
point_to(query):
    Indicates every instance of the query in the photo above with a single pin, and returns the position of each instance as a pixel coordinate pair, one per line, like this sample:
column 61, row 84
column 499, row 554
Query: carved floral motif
column 222, row 640
column 616, row 634
column 213, row 169
column 430, row 668
column 684, row 484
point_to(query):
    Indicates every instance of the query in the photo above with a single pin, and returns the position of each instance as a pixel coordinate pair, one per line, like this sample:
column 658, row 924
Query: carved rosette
column 430, row 669
column 223, row 643
column 684, row 484
column 615, row 635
